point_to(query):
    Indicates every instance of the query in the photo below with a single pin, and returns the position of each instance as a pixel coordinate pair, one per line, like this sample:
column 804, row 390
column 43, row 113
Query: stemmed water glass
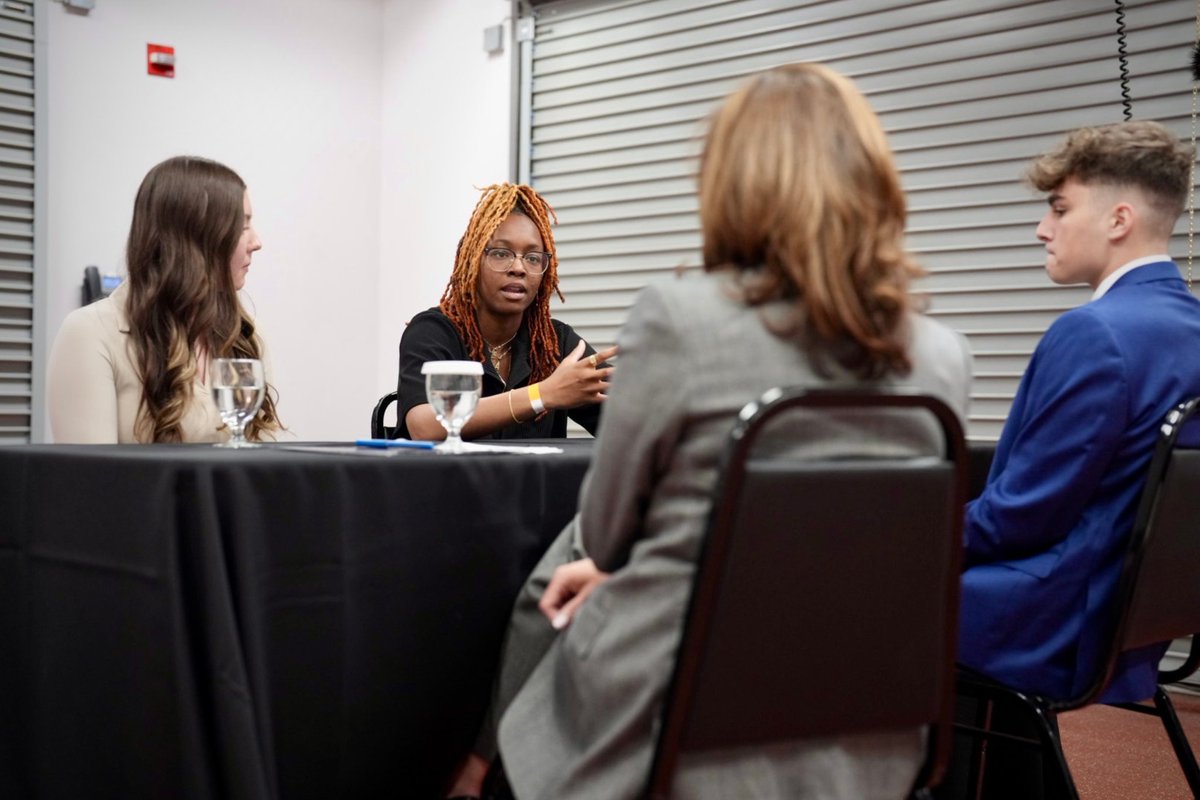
column 453, row 389
column 238, row 389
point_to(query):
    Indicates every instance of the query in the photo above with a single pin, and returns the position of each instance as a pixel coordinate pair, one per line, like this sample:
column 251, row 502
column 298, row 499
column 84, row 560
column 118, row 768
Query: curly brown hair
column 799, row 192
column 1142, row 153
column 187, row 219
column 460, row 300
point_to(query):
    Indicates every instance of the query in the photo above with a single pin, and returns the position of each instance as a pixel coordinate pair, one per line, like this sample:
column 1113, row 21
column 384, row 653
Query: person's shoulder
column 1145, row 299
column 697, row 294
column 689, row 285
column 565, row 335
column 1089, row 316
column 931, row 334
column 1081, row 334
column 1143, row 292
column 431, row 319
column 561, row 328
column 95, row 319
column 92, row 329
column 933, row 343
column 431, row 315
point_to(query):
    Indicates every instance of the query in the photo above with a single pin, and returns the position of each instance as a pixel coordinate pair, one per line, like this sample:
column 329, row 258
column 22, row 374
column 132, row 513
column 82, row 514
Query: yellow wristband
column 510, row 408
column 535, row 399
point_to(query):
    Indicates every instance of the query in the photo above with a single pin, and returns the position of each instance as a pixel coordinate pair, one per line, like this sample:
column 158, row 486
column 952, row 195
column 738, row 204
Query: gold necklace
column 496, row 354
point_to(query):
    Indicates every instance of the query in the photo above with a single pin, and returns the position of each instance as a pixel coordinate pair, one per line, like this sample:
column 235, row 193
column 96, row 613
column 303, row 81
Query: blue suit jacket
column 1044, row 541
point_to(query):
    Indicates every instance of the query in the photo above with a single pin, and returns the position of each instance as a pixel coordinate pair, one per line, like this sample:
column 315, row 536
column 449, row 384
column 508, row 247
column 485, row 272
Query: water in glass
column 453, row 389
column 238, row 388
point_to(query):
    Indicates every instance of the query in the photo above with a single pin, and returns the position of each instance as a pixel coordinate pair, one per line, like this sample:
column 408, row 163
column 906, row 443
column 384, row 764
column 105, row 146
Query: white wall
column 286, row 93
column 446, row 130
column 360, row 127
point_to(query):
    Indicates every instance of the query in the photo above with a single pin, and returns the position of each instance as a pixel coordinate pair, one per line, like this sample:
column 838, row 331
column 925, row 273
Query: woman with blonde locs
column 496, row 310
column 134, row 367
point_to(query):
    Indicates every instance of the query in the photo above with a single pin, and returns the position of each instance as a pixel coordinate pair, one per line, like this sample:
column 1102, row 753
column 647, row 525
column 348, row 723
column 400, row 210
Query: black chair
column 826, row 597
column 1158, row 599
column 378, row 429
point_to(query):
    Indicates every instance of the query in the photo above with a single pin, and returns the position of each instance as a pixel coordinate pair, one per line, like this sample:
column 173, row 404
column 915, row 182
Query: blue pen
column 395, row 443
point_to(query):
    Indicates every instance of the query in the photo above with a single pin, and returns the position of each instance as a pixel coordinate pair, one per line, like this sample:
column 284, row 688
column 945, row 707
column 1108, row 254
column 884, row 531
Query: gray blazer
column 587, row 702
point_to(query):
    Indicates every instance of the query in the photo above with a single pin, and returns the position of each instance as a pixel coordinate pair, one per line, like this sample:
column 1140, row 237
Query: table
column 184, row 621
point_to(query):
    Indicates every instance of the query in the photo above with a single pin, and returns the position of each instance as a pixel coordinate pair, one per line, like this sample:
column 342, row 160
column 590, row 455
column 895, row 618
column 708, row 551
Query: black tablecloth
column 184, row 621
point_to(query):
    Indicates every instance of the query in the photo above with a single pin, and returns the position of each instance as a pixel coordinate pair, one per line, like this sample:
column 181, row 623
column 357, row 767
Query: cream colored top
column 93, row 385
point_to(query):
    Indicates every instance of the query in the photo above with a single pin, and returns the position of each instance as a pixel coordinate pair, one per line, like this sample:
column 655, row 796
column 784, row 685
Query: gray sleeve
column 643, row 417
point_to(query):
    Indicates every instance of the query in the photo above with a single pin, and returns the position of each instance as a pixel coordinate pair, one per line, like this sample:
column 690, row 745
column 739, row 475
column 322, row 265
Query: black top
column 431, row 336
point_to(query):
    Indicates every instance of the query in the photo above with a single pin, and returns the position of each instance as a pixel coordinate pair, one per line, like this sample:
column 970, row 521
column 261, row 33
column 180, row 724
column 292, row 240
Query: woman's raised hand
column 578, row 381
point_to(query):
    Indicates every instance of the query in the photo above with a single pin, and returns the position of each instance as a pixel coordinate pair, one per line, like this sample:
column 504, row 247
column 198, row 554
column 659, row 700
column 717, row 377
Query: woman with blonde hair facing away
column 537, row 372
column 805, row 284
column 134, row 367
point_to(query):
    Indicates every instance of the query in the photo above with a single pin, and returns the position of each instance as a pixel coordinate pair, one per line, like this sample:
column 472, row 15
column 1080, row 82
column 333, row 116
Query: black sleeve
column 429, row 337
column 587, row 416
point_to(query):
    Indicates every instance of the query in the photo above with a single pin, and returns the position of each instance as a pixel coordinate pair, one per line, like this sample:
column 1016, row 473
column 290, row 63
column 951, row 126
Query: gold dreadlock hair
column 460, row 300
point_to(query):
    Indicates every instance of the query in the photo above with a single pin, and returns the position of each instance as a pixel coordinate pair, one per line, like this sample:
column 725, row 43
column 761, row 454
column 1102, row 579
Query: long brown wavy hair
column 187, row 219
column 461, row 298
column 798, row 191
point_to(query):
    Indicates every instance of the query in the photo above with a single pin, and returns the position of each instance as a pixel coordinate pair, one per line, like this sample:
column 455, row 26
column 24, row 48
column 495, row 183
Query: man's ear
column 1121, row 220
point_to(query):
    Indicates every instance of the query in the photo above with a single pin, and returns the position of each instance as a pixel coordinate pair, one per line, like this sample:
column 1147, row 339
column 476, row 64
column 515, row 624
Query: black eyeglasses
column 501, row 259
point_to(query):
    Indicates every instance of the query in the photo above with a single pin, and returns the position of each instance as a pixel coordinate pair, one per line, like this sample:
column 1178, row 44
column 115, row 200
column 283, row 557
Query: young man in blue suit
column 1045, row 539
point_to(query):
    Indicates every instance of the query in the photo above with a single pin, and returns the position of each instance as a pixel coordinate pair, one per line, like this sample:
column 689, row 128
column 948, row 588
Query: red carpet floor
column 1123, row 755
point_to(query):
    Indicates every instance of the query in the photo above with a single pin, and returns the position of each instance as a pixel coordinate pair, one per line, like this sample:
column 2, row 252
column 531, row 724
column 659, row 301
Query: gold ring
column 592, row 358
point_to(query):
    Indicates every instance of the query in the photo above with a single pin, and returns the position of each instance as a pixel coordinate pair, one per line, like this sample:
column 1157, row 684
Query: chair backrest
column 378, row 429
column 826, row 597
column 1159, row 598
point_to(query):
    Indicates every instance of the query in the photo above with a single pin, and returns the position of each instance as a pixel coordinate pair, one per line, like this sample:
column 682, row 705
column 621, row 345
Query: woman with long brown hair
column 134, row 366
column 805, row 283
column 537, row 371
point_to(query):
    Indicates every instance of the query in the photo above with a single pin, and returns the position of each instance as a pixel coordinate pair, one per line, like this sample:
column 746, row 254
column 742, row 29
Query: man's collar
column 1124, row 270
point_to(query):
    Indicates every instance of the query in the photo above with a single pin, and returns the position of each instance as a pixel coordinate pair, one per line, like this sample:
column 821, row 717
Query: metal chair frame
column 378, row 429
column 1141, row 616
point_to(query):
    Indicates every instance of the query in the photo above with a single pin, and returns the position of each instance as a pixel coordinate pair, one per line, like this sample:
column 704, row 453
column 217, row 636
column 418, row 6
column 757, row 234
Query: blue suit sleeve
column 1062, row 433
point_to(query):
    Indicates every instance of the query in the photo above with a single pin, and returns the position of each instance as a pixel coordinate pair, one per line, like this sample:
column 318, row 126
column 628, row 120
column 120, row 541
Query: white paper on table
column 341, row 450
column 531, row 449
column 469, row 448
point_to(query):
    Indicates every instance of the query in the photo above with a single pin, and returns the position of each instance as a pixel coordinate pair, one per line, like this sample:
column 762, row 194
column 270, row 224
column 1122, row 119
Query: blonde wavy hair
column 799, row 192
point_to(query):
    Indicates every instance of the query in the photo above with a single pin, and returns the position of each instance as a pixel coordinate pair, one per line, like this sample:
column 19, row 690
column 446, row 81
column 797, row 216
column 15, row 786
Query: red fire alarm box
column 160, row 60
